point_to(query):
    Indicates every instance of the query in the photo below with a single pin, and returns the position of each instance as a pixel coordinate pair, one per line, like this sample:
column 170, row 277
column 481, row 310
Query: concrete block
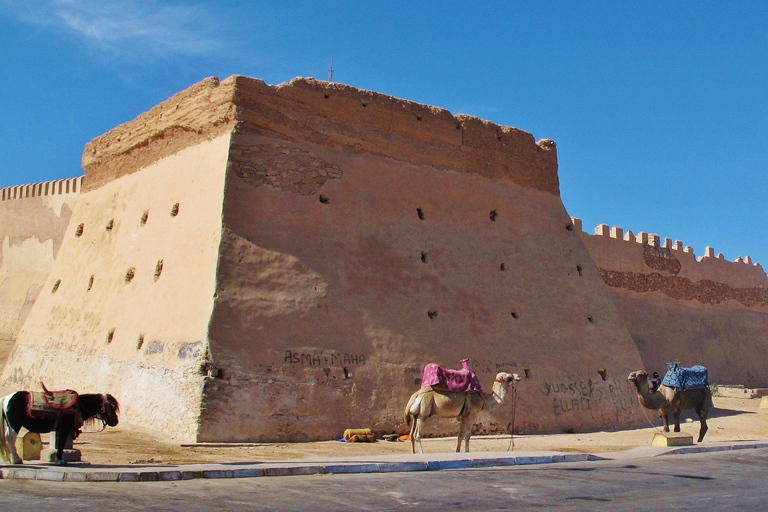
column 128, row 477
column 75, row 476
column 105, row 476
column 248, row 472
column 672, row 439
column 50, row 476
column 167, row 476
column 351, row 468
column 218, row 473
column 439, row 465
column 29, row 446
column 279, row 471
column 396, row 467
column 308, row 470
column 69, row 455
column 19, row 473
column 763, row 402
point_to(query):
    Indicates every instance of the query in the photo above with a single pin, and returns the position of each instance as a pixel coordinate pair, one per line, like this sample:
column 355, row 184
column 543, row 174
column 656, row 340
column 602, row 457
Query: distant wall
column 33, row 219
column 678, row 307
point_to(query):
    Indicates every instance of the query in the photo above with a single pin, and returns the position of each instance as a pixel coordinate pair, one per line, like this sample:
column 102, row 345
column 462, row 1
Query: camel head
column 638, row 378
column 506, row 378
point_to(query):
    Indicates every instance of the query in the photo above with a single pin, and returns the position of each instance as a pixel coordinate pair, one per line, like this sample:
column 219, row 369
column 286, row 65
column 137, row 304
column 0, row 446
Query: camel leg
column 465, row 430
column 665, row 419
column 676, row 416
column 412, row 433
column 417, row 433
column 703, row 420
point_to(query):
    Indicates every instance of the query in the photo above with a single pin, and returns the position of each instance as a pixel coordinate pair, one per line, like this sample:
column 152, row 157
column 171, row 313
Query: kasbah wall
column 256, row 263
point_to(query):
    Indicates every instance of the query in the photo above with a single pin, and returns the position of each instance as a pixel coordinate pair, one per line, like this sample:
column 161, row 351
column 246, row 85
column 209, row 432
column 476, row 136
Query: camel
column 667, row 400
column 428, row 401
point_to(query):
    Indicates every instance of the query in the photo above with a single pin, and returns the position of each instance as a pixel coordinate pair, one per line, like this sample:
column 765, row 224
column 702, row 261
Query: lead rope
column 511, row 446
column 642, row 408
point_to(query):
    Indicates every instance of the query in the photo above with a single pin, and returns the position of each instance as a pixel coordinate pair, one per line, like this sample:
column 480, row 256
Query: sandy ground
column 735, row 419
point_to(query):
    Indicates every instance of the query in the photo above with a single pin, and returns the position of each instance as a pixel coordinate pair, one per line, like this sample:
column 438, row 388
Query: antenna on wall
column 330, row 70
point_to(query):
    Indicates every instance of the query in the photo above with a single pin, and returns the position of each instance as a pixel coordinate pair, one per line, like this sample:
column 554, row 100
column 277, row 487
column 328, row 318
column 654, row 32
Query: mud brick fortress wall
column 678, row 307
column 257, row 263
column 33, row 219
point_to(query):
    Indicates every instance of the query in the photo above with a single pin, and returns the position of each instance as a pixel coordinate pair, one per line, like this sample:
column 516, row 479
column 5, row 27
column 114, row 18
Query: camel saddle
column 685, row 378
column 444, row 379
column 51, row 404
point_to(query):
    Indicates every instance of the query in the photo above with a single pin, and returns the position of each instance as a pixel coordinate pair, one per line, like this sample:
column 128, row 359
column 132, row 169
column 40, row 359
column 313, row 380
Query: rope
column 511, row 446
column 642, row 408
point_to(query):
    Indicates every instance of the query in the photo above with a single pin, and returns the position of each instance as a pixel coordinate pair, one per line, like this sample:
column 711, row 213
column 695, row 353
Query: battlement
column 45, row 188
column 330, row 115
column 614, row 249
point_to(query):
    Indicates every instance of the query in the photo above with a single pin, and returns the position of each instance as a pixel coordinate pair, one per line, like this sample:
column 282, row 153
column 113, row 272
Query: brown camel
column 667, row 400
column 448, row 404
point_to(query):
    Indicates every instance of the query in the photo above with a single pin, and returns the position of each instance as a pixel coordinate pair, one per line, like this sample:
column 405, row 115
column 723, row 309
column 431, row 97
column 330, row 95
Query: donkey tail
column 5, row 447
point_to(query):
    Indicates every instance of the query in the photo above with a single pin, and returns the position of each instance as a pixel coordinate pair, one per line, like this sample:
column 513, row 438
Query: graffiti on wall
column 574, row 396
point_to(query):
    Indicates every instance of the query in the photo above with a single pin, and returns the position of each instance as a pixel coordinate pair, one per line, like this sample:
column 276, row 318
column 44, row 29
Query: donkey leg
column 61, row 442
column 11, row 436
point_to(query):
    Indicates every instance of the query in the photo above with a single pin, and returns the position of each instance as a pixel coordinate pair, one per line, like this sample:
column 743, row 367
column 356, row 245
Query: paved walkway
column 83, row 472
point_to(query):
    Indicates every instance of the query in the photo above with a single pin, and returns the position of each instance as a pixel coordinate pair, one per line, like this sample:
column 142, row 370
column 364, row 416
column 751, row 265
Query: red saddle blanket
column 41, row 404
column 460, row 381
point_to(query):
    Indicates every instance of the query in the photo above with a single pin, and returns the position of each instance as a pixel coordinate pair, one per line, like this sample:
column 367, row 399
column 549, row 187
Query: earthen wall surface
column 680, row 307
column 126, row 306
column 333, row 292
column 33, row 219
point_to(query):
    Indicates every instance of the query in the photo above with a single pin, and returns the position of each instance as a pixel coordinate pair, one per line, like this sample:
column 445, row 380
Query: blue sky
column 659, row 109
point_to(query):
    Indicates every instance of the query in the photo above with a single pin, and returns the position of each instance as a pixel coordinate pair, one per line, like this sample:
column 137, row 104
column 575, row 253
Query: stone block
column 29, row 446
column 672, row 439
column 69, row 455
column 763, row 402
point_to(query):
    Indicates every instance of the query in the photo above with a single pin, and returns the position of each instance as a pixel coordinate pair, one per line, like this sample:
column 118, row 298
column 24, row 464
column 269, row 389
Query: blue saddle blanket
column 685, row 378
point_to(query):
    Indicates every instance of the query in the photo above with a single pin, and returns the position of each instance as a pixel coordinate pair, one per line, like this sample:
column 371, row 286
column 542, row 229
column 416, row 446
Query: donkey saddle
column 51, row 405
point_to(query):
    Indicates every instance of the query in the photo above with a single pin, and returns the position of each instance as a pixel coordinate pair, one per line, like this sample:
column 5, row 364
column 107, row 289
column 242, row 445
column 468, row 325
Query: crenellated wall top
column 45, row 188
column 615, row 249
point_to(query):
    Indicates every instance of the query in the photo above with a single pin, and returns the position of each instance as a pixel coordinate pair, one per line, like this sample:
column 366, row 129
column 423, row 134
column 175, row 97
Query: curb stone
column 88, row 474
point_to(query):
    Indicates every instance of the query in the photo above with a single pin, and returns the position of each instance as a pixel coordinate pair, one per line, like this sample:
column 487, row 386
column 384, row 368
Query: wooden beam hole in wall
column 603, row 373
column 515, row 315
column 579, row 270
column 324, row 199
column 420, row 213
column 418, row 118
column 79, row 230
column 503, row 267
column 140, row 342
column 144, row 217
column 493, row 215
column 90, row 284
column 110, row 225
column 527, row 373
column 569, row 226
column 129, row 275
column 158, row 269
column 432, row 313
column 110, row 336
column 56, row 286
column 591, row 319
column 175, row 210
column 423, row 256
